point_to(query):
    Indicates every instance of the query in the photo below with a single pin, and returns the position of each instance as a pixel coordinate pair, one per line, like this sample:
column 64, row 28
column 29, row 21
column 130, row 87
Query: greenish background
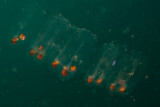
column 26, row 83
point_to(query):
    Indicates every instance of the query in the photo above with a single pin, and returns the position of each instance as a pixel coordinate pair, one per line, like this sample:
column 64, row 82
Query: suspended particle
column 99, row 80
column 90, row 79
column 22, row 37
column 32, row 52
column 64, row 71
column 40, row 56
column 114, row 62
column 112, row 87
column 40, row 47
column 146, row 76
column 73, row 68
column 75, row 58
column 14, row 40
column 109, row 30
column 134, row 100
column 55, row 63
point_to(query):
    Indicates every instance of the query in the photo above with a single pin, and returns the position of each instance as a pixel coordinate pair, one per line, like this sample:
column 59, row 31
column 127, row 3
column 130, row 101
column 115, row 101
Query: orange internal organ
column 55, row 63
column 99, row 80
column 40, row 47
column 32, row 52
column 22, row 37
column 64, row 71
column 73, row 68
column 122, row 89
column 14, row 40
column 40, row 56
column 112, row 87
column 90, row 79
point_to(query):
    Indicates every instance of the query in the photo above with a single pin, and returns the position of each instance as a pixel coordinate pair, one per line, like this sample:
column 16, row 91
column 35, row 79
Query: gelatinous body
column 103, row 69
column 127, row 71
column 65, row 45
column 70, row 50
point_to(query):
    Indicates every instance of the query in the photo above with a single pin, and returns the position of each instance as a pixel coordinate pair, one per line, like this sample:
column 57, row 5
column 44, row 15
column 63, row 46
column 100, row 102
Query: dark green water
column 26, row 83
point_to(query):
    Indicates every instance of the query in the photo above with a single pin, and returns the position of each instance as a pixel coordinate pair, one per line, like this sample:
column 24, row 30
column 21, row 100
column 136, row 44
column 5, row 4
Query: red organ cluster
column 17, row 38
column 70, row 50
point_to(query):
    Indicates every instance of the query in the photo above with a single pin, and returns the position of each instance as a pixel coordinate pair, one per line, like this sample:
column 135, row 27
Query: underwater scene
column 79, row 53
